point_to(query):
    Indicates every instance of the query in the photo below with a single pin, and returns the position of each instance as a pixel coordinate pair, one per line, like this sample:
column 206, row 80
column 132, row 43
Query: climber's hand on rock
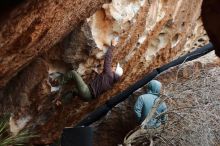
column 57, row 101
column 114, row 42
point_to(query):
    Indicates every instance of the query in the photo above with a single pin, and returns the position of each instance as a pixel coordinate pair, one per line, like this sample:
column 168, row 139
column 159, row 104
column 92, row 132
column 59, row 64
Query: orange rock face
column 148, row 33
column 34, row 27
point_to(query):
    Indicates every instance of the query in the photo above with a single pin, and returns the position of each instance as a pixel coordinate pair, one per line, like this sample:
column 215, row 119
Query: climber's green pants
column 81, row 89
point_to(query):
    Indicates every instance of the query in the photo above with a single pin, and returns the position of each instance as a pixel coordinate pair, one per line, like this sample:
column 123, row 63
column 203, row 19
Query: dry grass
column 7, row 139
column 194, row 113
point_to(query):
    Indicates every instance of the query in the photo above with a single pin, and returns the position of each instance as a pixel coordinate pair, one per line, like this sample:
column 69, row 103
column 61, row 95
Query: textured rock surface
column 196, row 86
column 34, row 27
column 149, row 33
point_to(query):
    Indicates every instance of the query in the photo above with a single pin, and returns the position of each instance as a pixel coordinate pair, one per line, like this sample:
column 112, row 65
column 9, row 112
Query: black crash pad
column 79, row 136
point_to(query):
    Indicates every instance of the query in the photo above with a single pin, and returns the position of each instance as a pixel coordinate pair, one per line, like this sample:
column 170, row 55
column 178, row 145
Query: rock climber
column 145, row 103
column 101, row 83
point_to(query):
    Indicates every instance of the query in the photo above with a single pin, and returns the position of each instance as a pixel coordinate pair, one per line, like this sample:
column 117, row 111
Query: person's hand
column 57, row 101
column 114, row 42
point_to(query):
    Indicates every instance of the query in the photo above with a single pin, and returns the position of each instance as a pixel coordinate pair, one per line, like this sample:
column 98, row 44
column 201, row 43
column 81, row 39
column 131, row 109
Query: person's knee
column 86, row 94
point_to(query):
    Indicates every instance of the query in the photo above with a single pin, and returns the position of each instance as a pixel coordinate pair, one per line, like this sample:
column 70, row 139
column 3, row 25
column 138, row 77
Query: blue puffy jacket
column 145, row 103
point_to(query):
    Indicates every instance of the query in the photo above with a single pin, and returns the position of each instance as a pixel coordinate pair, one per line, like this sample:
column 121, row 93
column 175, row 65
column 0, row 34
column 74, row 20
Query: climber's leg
column 66, row 97
column 82, row 87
